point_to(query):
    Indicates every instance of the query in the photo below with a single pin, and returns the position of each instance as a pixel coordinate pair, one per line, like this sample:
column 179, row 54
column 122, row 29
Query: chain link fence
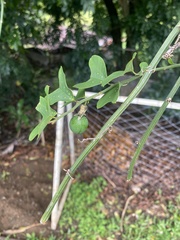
column 158, row 166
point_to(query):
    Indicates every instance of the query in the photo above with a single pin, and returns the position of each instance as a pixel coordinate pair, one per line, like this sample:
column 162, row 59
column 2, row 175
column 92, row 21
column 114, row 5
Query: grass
column 85, row 217
column 146, row 227
column 84, row 213
column 32, row 236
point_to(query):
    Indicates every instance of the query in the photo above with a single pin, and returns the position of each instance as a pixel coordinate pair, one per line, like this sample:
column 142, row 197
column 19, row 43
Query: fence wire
column 159, row 163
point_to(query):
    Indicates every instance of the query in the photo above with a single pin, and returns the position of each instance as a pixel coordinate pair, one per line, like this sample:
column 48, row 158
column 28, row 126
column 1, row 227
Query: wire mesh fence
column 158, row 166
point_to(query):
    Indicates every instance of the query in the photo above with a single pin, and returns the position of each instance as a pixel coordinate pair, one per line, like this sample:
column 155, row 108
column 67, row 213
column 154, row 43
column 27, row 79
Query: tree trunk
column 125, row 7
column 115, row 23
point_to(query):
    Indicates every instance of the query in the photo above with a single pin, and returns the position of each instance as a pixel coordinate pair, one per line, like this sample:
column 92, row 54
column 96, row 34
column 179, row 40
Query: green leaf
column 44, row 108
column 143, row 66
column 98, row 73
column 37, row 130
column 112, row 76
column 60, row 95
column 80, row 94
column 46, row 89
column 129, row 66
column 97, row 67
column 63, row 93
column 170, row 61
column 110, row 96
column 47, row 114
column 62, row 80
column 92, row 82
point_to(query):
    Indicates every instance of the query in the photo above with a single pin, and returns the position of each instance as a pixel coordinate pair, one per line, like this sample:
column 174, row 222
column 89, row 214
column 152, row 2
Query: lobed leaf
column 63, row 93
column 129, row 68
column 98, row 73
column 47, row 114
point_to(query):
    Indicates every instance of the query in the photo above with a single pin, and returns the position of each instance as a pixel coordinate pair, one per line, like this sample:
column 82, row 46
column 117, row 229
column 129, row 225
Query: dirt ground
column 26, row 186
column 25, row 189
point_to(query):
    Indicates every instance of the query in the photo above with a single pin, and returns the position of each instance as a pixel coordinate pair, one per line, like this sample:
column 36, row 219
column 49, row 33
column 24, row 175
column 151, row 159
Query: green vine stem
column 152, row 126
column 142, row 82
column 79, row 103
column 167, row 67
column 1, row 16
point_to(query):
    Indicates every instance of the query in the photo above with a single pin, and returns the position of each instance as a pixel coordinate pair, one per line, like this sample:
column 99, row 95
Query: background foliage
column 91, row 27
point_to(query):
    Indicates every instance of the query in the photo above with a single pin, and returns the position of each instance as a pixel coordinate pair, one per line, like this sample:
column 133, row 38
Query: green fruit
column 78, row 124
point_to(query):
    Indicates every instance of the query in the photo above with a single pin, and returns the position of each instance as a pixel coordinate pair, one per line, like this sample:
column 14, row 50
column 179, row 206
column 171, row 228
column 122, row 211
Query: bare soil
column 25, row 189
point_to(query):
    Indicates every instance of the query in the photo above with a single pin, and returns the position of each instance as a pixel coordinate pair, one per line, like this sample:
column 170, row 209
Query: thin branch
column 1, row 16
column 152, row 126
column 124, row 211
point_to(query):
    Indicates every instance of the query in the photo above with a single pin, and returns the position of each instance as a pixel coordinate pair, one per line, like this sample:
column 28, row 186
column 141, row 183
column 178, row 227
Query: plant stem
column 144, row 79
column 1, row 16
column 151, row 127
column 167, row 67
column 124, row 82
column 81, row 102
